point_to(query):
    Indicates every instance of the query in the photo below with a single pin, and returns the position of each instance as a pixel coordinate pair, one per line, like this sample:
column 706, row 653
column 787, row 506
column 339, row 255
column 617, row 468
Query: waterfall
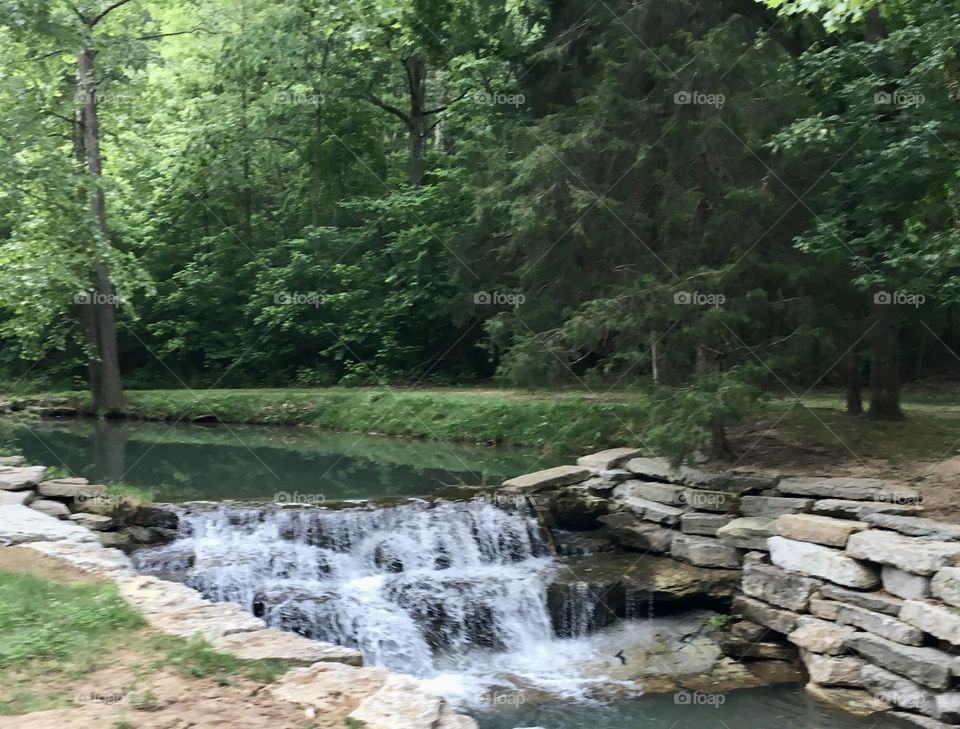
column 411, row 586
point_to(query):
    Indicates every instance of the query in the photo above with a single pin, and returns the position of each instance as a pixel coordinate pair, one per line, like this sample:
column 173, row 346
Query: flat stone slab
column 928, row 666
column 71, row 489
column 879, row 624
column 770, row 507
column 13, row 478
column 86, row 556
column 275, row 644
column 706, row 500
column 845, row 508
column 781, row 621
column 704, row 552
column 400, row 703
column 94, row 522
column 608, row 459
column 819, row 561
column 12, row 460
column 853, row 489
column 19, row 524
column 632, row 532
column 875, row 601
column 740, row 648
column 152, row 595
column 897, row 690
column 17, row 498
column 853, row 701
column 777, row 586
column 333, row 689
column 945, row 585
column 51, row 508
column 211, row 620
column 833, row 670
column 747, row 532
column 817, row 528
column 905, row 585
column 906, row 553
column 703, row 524
column 549, row 478
column 664, row 493
column 626, row 495
column 937, row 620
column 914, row 526
column 820, row 636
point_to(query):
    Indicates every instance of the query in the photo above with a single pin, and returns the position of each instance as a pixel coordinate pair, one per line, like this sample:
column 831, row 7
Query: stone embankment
column 43, row 515
column 842, row 572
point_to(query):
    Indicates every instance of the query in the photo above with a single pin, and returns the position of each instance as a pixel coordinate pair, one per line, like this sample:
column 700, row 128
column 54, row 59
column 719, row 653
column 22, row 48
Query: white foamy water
column 454, row 593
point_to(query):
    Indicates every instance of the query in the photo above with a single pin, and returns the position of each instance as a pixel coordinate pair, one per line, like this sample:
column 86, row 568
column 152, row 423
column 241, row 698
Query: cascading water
column 454, row 592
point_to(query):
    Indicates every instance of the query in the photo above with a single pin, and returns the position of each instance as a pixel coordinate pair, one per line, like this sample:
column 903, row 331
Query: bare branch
column 106, row 12
column 386, row 107
column 445, row 106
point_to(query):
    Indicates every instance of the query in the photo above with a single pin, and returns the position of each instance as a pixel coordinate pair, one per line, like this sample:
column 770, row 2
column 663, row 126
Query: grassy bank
column 567, row 422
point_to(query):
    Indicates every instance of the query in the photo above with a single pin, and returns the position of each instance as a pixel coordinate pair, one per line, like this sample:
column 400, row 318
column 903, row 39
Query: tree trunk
column 416, row 69
column 851, row 371
column 708, row 365
column 885, row 365
column 108, row 396
column 658, row 358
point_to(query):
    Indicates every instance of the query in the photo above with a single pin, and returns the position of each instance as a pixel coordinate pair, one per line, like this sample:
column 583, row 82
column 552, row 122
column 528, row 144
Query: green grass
column 59, row 633
column 568, row 421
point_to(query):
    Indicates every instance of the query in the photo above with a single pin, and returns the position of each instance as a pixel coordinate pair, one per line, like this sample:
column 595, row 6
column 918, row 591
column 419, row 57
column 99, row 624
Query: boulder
column 781, row 621
column 852, row 701
column 118, row 540
column 153, row 515
column 898, row 691
column 13, row 478
column 632, row 532
column 832, row 670
column 817, row 529
column 879, row 624
column 779, row 587
column 608, row 459
column 928, row 666
column 400, row 703
column 704, row 551
column 820, row 561
column 50, row 508
column 875, row 601
column 848, row 509
column 945, row 586
column 271, row 644
column 820, row 636
column 913, row 526
column 770, row 507
column 937, row 620
column 748, row 532
column 654, row 469
column 745, row 630
column 548, row 478
column 625, row 496
column 905, row 553
column 851, row 489
column 152, row 595
column 19, row 524
column 12, row 460
column 905, row 585
column 698, row 522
